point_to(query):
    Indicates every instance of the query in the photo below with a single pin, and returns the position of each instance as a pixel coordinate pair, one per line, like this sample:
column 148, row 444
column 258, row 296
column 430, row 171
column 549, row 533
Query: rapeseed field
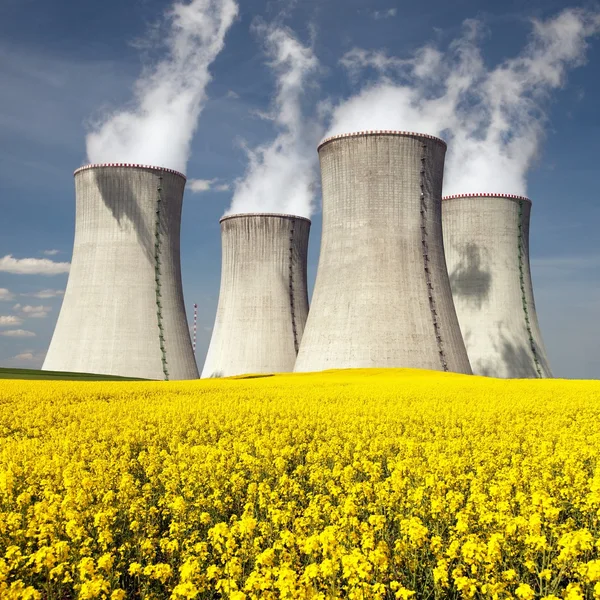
column 344, row 484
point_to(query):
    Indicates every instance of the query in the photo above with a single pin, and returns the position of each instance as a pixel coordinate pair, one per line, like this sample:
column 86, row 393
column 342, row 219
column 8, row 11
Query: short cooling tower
column 382, row 296
column 123, row 310
column 486, row 239
column 263, row 300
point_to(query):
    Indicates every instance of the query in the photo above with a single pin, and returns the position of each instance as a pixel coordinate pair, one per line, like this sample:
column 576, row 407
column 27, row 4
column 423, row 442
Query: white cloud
column 493, row 118
column 280, row 173
column 384, row 14
column 425, row 64
column 205, row 185
column 51, row 252
column 32, row 266
column 17, row 333
column 169, row 97
column 199, row 185
column 27, row 358
column 358, row 59
column 7, row 320
column 36, row 312
column 6, row 294
column 232, row 95
column 48, row 293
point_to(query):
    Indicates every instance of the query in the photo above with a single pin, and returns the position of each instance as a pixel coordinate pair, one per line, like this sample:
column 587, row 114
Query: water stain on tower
column 382, row 295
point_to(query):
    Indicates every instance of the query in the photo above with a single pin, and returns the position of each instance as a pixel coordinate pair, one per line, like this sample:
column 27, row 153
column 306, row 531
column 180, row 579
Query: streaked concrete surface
column 109, row 322
column 486, row 239
column 263, row 300
column 382, row 296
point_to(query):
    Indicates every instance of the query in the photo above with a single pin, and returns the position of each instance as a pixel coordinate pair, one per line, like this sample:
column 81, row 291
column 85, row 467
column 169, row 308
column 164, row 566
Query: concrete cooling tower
column 123, row 310
column 486, row 239
column 382, row 296
column 263, row 301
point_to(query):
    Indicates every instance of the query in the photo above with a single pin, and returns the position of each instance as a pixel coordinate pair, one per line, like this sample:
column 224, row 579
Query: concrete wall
column 263, row 301
column 382, row 296
column 486, row 240
column 122, row 288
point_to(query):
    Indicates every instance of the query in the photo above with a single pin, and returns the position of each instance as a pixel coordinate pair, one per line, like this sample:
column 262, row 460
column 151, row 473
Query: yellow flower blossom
column 105, row 562
column 135, row 569
column 525, row 592
column 362, row 484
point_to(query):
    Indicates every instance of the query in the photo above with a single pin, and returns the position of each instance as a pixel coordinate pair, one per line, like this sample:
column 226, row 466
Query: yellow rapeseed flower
column 362, row 484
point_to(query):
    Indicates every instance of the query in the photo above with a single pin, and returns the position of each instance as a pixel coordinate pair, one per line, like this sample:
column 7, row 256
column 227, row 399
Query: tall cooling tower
column 486, row 239
column 263, row 301
column 382, row 296
column 123, row 310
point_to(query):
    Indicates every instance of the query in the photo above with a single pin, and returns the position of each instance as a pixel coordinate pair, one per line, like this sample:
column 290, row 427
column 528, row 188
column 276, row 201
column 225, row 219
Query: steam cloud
column 158, row 128
column 280, row 175
column 493, row 119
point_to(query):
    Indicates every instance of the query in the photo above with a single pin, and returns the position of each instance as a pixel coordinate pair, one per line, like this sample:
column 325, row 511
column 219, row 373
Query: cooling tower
column 486, row 239
column 123, row 310
column 382, row 296
column 263, row 301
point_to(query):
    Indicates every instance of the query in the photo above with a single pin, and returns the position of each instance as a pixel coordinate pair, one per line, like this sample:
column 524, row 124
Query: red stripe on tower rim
column 130, row 166
column 485, row 195
column 262, row 214
column 374, row 132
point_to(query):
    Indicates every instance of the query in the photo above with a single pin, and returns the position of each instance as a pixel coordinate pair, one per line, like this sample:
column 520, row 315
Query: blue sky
column 66, row 62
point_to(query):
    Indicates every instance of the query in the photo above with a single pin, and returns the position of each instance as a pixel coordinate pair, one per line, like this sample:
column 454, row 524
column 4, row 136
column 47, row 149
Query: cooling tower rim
column 128, row 165
column 486, row 195
column 371, row 132
column 263, row 214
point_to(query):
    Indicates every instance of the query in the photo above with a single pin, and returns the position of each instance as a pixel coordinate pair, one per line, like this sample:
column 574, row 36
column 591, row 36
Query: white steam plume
column 158, row 128
column 280, row 175
column 493, row 119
